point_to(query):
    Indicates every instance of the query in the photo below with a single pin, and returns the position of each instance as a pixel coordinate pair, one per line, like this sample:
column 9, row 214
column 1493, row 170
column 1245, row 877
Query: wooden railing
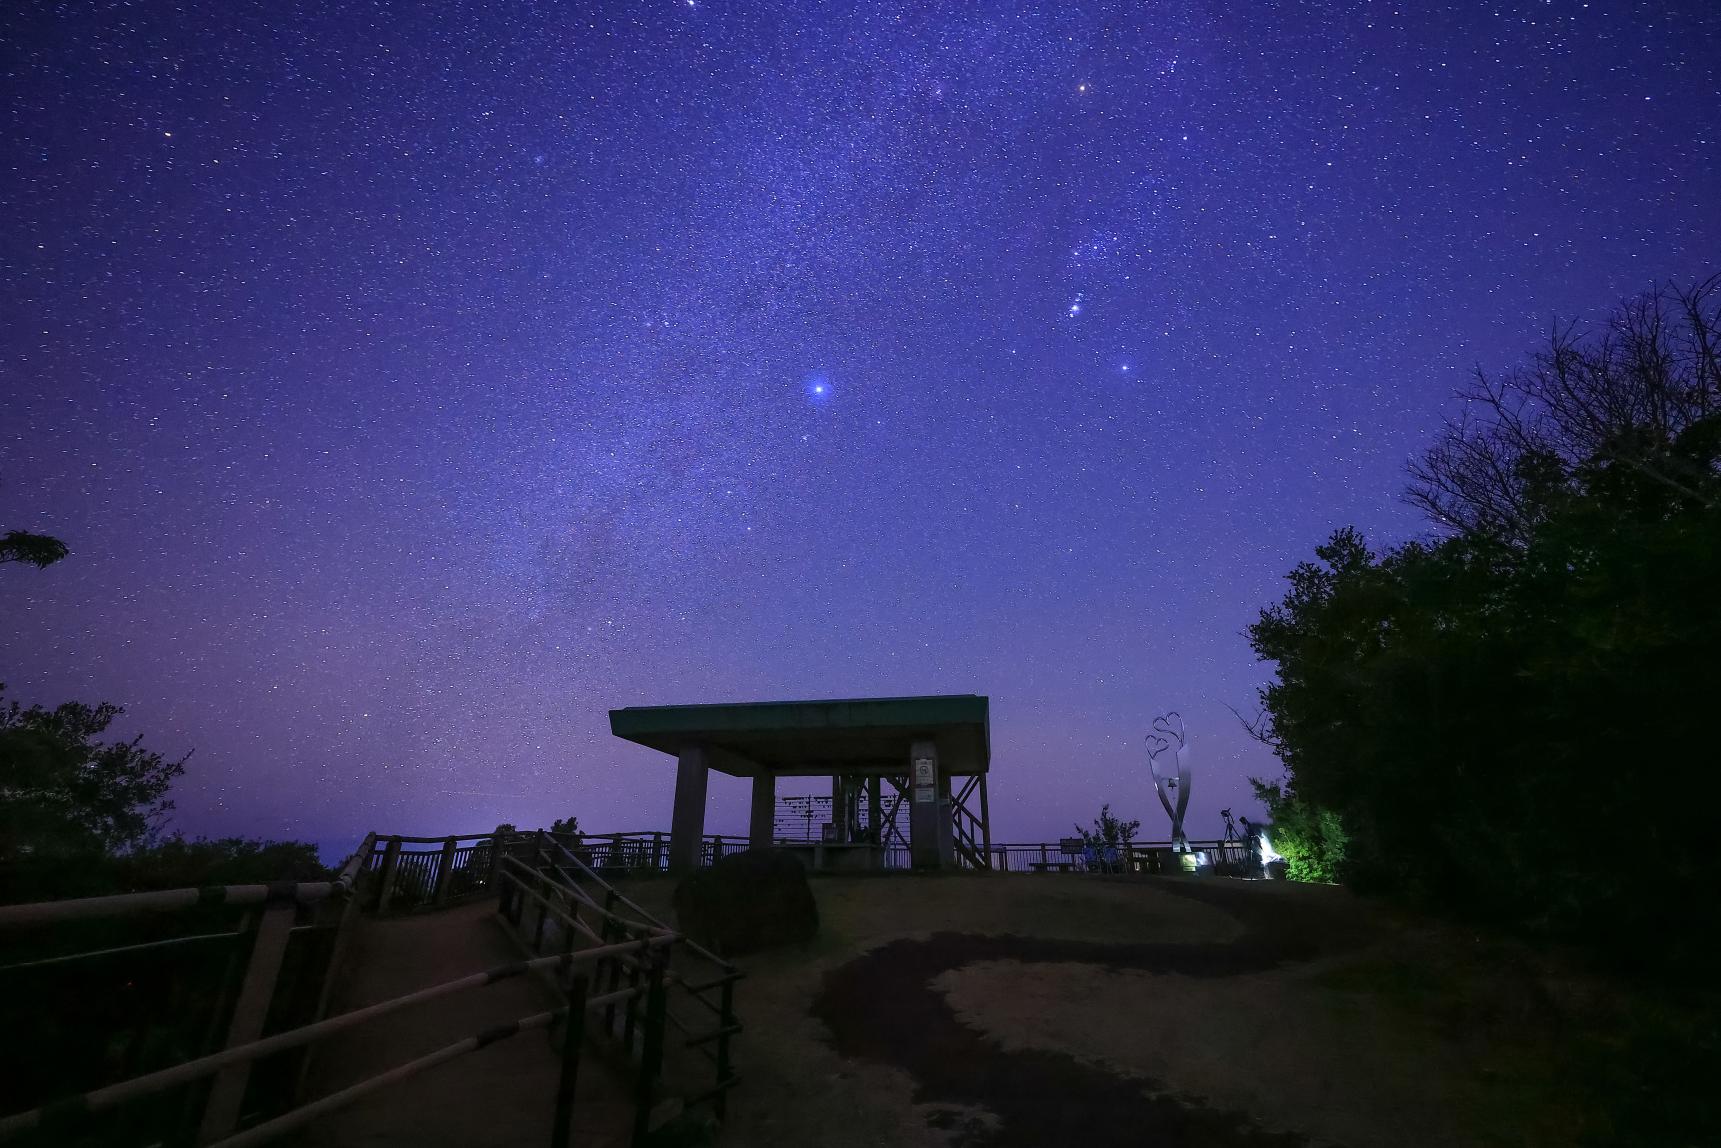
column 64, row 1116
column 622, row 978
column 565, row 899
column 236, row 993
column 415, row 873
column 661, row 1003
column 555, row 891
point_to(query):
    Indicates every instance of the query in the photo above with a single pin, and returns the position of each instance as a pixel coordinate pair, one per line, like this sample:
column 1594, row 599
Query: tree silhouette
column 36, row 550
column 1488, row 711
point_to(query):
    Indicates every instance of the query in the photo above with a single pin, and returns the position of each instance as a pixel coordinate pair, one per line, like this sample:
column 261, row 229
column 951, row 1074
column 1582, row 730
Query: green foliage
column 177, row 863
column 36, row 550
column 1312, row 840
column 63, row 792
column 79, row 817
column 1109, row 830
column 567, row 825
column 1477, row 709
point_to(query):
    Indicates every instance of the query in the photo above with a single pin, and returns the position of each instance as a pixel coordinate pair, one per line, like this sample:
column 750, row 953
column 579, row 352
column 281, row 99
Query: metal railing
column 643, row 853
column 1147, row 857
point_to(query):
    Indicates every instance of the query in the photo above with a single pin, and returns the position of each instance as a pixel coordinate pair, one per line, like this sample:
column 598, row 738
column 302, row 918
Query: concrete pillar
column 687, row 823
column 761, row 829
column 925, row 811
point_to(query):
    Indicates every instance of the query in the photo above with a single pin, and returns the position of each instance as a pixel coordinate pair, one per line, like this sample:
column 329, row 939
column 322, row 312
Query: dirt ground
column 1035, row 1011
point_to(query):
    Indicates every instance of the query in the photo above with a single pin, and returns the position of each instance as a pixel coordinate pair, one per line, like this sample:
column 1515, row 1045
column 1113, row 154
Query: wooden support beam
column 390, row 870
column 250, row 1010
column 445, row 872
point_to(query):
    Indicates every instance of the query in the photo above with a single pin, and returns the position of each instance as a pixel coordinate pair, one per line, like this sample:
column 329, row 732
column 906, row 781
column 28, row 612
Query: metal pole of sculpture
column 1173, row 788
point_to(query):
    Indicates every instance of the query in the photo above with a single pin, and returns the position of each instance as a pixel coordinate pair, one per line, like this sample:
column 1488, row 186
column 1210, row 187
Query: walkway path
column 500, row 1096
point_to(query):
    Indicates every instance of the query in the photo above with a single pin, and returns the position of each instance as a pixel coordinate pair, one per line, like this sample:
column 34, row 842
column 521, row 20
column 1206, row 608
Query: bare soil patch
column 995, row 1012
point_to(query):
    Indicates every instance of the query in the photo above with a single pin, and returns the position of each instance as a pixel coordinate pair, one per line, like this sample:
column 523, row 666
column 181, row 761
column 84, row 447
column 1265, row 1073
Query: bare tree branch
column 1639, row 396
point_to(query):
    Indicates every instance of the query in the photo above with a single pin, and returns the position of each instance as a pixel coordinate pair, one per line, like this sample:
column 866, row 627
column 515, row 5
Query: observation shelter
column 929, row 754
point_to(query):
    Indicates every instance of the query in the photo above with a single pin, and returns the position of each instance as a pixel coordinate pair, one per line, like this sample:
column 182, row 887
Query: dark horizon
column 412, row 388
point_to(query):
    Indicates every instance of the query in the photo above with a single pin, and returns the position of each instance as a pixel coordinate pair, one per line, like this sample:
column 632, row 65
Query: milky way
column 415, row 383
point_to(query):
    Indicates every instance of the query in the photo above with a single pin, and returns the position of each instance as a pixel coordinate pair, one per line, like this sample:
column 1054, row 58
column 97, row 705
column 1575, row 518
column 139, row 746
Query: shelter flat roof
column 819, row 738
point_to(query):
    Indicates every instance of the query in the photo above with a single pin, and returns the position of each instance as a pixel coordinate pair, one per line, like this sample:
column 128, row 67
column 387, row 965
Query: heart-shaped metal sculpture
column 1171, row 778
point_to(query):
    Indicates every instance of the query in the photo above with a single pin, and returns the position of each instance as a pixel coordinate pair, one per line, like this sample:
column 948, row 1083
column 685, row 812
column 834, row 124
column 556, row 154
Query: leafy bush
column 1311, row 839
column 1465, row 704
column 177, row 863
column 1109, row 830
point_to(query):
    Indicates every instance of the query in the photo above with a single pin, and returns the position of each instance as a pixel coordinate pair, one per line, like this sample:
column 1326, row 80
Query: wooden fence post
column 630, row 1020
column 544, row 891
column 726, row 1019
column 445, row 872
column 572, row 1037
column 570, row 931
column 607, row 935
column 657, row 852
column 651, row 1058
column 497, row 848
column 390, row 869
column 345, row 923
column 250, row 1010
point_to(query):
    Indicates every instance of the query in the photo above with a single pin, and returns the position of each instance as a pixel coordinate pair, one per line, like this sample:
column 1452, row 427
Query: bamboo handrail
column 299, row 1117
column 107, row 1097
column 688, row 945
column 648, row 925
column 568, row 918
column 124, row 904
column 356, row 863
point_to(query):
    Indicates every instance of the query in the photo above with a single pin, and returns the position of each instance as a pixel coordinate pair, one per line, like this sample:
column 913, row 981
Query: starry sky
column 414, row 383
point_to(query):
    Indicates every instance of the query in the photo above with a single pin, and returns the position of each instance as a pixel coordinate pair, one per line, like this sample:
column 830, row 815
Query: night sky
column 414, row 383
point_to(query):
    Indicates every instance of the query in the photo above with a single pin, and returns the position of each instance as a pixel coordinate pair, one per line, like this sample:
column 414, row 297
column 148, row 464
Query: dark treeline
column 1513, row 720
column 80, row 817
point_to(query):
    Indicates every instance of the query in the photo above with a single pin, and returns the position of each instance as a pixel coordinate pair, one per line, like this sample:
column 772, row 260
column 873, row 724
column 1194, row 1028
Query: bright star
column 1075, row 306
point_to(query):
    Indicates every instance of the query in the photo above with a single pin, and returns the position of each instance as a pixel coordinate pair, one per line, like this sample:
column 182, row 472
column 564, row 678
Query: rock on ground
column 747, row 902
